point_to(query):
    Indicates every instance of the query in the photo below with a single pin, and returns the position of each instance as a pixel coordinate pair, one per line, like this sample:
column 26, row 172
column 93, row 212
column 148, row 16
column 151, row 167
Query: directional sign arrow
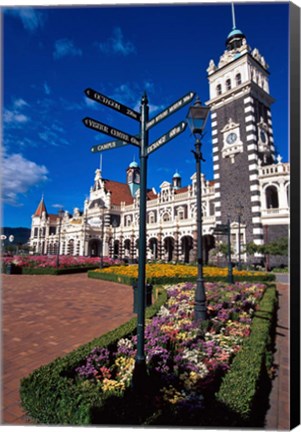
column 108, row 146
column 111, row 103
column 167, row 137
column 108, row 130
column 170, row 110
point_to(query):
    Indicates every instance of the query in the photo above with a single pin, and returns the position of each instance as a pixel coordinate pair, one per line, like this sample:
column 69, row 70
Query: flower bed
column 185, row 361
column 174, row 273
column 46, row 264
column 185, row 365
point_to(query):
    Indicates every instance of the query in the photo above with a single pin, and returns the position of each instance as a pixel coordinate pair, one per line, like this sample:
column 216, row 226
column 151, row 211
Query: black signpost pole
column 139, row 373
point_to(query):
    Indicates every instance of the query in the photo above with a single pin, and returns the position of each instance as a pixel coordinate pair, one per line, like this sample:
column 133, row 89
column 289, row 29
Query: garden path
column 44, row 317
column 278, row 415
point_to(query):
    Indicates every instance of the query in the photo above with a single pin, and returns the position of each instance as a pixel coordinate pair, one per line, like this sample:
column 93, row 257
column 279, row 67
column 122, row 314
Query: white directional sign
column 108, row 146
column 111, row 103
column 167, row 137
column 170, row 110
column 108, row 130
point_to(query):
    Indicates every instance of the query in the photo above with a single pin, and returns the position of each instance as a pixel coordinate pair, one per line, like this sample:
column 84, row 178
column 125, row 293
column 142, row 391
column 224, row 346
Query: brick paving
column 278, row 415
column 44, row 317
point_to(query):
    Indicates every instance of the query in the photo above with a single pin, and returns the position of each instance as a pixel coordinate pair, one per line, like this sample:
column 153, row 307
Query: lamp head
column 197, row 118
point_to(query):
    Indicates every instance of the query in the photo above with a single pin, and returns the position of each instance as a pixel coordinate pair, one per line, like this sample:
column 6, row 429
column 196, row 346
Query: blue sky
column 51, row 55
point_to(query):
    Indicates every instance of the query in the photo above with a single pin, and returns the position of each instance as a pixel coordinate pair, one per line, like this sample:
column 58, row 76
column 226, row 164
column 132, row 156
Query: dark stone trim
column 257, row 214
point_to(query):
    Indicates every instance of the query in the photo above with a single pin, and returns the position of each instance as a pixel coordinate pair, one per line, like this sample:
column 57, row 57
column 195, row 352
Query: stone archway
column 208, row 244
column 169, row 245
column 153, row 247
column 94, row 248
column 186, row 247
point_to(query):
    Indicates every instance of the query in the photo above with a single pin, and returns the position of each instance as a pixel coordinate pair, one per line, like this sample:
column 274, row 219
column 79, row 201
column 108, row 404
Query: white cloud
column 31, row 18
column 20, row 103
column 64, row 48
column 117, row 44
column 46, row 89
column 19, row 175
column 14, row 118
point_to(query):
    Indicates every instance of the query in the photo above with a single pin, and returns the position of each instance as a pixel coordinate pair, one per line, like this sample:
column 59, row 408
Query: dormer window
column 218, row 89
column 238, row 79
column 228, row 84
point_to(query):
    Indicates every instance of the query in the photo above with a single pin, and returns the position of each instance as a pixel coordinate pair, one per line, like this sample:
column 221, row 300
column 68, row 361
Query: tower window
column 271, row 197
column 238, row 79
column 228, row 84
column 218, row 89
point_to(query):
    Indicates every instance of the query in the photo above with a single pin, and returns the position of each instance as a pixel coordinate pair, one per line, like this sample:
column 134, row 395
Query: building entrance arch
column 153, row 247
column 186, row 247
column 169, row 245
column 94, row 248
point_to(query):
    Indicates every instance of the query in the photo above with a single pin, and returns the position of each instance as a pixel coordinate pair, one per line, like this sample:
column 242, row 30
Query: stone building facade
column 247, row 174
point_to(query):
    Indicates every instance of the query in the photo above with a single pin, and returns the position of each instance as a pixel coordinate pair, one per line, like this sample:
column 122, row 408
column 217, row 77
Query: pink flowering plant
column 185, row 359
column 49, row 261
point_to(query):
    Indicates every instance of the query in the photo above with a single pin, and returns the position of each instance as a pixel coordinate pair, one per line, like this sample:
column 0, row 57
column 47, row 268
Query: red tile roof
column 151, row 195
column 120, row 192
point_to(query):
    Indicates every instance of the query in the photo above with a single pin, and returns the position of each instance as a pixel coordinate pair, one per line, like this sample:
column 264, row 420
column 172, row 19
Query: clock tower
column 242, row 135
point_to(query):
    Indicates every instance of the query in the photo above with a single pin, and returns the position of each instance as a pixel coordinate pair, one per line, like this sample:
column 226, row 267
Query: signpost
column 111, row 103
column 108, row 146
column 141, row 141
column 167, row 137
column 170, row 110
column 108, row 130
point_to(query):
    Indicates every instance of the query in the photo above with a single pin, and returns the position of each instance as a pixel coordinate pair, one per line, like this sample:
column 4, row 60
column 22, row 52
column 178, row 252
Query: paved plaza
column 44, row 317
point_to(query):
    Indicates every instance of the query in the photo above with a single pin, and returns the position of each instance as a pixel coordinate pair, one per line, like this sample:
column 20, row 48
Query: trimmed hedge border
column 49, row 394
column 127, row 280
column 249, row 365
column 47, row 270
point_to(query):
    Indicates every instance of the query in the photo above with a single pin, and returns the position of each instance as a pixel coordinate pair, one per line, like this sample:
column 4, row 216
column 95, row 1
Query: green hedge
column 55, row 271
column 240, row 386
column 49, row 395
column 14, row 269
column 127, row 280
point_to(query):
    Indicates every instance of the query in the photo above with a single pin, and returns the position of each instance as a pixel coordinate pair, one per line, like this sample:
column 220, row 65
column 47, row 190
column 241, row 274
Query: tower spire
column 233, row 16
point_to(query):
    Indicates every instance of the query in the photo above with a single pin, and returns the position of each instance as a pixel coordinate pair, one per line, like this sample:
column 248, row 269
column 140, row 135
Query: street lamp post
column 230, row 270
column 102, row 235
column 114, row 224
column 239, row 209
column 197, row 117
column 60, row 215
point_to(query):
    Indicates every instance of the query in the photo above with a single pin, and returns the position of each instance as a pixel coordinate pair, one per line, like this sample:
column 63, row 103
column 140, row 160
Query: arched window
column 271, row 194
column 166, row 217
column 288, row 195
column 218, row 89
column 238, row 79
column 228, row 84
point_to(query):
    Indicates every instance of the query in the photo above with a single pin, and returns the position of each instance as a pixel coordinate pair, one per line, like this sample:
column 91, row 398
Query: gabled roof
column 120, row 192
column 151, row 194
column 41, row 208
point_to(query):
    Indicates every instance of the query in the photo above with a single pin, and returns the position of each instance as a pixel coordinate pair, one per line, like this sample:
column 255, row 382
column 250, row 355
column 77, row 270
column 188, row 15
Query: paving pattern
column 278, row 415
column 44, row 317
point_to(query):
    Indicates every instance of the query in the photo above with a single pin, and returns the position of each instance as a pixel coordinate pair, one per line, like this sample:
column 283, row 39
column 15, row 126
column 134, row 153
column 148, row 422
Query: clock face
column 231, row 138
column 263, row 136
